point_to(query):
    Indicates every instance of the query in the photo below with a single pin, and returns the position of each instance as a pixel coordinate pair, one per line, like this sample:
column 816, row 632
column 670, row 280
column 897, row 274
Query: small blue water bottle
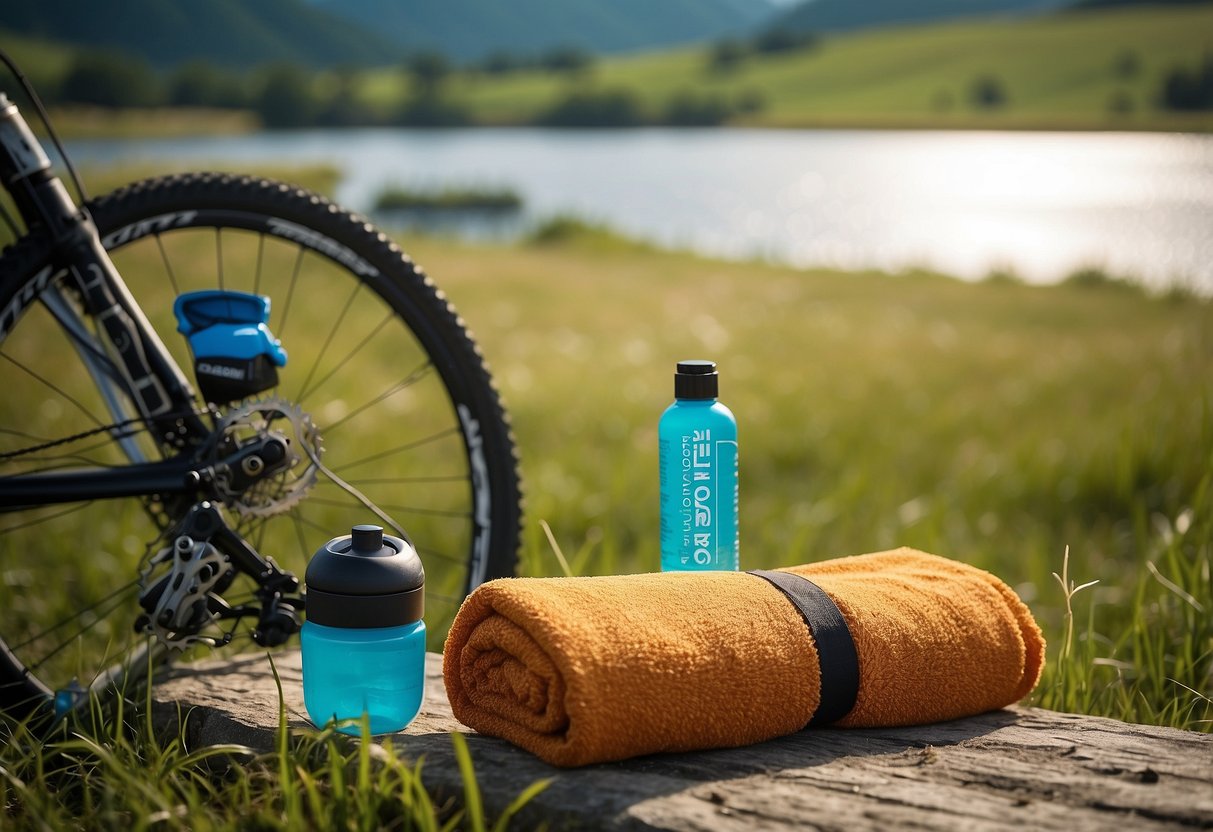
column 363, row 642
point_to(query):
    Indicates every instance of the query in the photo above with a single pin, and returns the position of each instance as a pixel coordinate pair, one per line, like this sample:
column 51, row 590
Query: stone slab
column 1019, row 768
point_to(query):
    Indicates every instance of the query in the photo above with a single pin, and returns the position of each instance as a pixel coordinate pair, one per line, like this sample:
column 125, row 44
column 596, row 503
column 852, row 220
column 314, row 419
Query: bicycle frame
column 144, row 376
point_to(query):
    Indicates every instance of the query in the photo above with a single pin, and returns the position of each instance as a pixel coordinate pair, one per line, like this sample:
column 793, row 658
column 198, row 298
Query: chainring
column 281, row 491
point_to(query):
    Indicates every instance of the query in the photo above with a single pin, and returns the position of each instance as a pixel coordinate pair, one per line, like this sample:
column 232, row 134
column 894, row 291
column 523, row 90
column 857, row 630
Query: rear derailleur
column 202, row 560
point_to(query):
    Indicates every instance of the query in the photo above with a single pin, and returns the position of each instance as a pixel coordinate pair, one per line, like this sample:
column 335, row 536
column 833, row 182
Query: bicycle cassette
column 250, row 491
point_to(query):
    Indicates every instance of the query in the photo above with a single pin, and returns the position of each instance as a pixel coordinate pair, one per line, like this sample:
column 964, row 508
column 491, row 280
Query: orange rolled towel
column 587, row 670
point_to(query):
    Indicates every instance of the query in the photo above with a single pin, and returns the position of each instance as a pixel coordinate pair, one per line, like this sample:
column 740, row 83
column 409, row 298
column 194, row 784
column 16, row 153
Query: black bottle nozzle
column 696, row 379
column 366, row 539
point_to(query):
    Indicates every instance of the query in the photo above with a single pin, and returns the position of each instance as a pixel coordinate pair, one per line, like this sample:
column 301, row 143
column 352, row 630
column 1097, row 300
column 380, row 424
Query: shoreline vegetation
column 448, row 201
column 1134, row 68
column 571, row 230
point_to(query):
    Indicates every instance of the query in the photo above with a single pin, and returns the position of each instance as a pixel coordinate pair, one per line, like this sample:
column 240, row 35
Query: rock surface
column 1012, row 769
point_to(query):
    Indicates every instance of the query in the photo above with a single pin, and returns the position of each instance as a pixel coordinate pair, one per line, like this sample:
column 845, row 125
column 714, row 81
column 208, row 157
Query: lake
column 1039, row 205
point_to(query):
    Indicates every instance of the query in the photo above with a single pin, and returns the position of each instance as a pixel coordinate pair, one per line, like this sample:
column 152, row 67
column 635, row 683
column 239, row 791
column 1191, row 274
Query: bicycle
column 181, row 467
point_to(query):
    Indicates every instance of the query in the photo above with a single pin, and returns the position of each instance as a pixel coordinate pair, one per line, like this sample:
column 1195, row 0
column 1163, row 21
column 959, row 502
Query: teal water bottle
column 698, row 449
column 363, row 643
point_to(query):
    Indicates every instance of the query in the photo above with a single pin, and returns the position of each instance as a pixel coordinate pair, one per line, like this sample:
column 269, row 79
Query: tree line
column 287, row 95
column 283, row 94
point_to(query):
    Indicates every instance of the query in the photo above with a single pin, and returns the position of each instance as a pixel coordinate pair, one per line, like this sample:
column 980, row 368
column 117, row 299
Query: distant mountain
column 239, row 33
column 843, row 15
column 1085, row 5
column 469, row 29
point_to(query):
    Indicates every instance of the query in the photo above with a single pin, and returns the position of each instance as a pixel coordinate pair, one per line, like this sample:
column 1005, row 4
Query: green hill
column 234, row 33
column 1096, row 70
column 469, row 29
column 843, row 15
column 330, row 33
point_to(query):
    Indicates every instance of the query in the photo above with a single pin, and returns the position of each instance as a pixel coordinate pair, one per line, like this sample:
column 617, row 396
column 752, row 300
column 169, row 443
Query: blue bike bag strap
column 835, row 647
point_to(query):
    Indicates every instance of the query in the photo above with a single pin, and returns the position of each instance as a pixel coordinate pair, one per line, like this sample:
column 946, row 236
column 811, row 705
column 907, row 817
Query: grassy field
column 1058, row 71
column 995, row 423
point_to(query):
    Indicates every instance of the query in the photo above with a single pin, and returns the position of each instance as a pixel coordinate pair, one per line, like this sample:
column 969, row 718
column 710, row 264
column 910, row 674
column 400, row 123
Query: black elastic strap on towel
column 835, row 647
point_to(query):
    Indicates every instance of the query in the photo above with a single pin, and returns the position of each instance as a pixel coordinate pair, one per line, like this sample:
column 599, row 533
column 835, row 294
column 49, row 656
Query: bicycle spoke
column 434, row 512
column 321, row 501
column 298, row 520
column 219, row 258
column 301, row 520
column 58, row 649
column 366, row 340
column 427, row 552
column 52, row 386
column 328, row 340
column 65, row 463
column 35, row 521
column 24, row 435
column 290, row 291
column 431, row 555
column 408, row 381
column 431, row 512
column 125, row 588
column 401, row 480
column 258, row 544
column 398, row 449
column 307, row 391
column 168, row 267
column 257, row 274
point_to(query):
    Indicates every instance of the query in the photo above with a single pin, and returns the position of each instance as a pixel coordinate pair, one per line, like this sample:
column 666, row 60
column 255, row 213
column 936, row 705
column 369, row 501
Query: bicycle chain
column 7, row 455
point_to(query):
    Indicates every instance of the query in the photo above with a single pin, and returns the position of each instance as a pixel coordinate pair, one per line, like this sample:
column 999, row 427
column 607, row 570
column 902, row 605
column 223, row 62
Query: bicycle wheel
column 382, row 383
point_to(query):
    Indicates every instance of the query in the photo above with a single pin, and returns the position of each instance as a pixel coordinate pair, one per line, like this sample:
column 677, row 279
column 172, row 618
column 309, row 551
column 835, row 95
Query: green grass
column 113, row 767
column 1059, row 72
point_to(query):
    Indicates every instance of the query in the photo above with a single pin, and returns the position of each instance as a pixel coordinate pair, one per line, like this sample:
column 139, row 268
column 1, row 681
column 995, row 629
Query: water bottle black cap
column 365, row 579
column 696, row 379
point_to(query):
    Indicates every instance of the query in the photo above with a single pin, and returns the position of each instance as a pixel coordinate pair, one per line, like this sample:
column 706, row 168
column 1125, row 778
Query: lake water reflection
column 1038, row 204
